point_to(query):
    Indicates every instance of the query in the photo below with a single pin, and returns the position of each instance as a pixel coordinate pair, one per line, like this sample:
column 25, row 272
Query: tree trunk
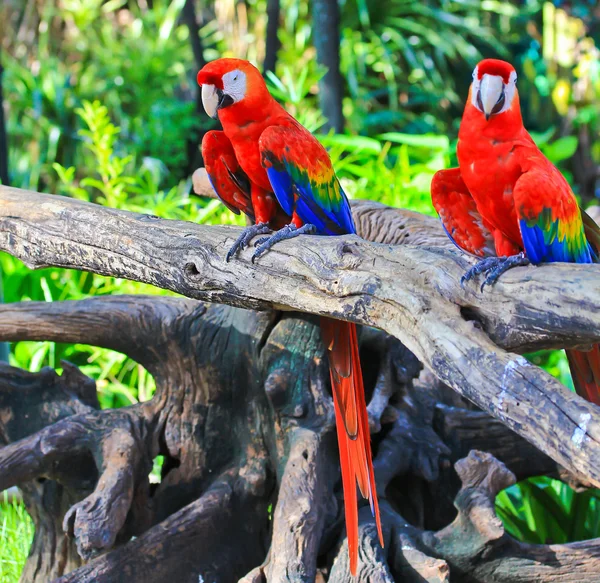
column 326, row 34
column 272, row 38
column 242, row 414
column 190, row 18
column 4, row 179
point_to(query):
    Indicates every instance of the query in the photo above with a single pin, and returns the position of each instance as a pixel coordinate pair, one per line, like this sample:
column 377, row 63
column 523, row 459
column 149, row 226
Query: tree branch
column 477, row 548
column 93, row 321
column 413, row 293
column 218, row 525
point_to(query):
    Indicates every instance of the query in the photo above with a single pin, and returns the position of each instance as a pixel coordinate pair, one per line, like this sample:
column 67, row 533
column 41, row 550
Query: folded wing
column 228, row 179
column 302, row 177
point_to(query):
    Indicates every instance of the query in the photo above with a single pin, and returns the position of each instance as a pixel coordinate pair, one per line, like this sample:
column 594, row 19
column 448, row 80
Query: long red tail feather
column 585, row 370
column 352, row 424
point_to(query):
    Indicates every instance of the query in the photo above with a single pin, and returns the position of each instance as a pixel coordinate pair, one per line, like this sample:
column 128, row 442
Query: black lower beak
column 224, row 101
column 480, row 105
column 496, row 109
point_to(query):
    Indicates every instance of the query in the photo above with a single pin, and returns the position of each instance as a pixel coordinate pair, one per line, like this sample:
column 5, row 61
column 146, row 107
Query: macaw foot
column 494, row 267
column 247, row 235
column 288, row 232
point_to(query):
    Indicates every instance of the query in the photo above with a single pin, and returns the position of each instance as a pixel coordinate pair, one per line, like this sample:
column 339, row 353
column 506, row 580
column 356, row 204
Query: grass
column 16, row 534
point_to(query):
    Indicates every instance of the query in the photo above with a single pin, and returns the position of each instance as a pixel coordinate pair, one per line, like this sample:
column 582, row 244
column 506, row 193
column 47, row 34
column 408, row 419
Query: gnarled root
column 244, row 418
column 114, row 442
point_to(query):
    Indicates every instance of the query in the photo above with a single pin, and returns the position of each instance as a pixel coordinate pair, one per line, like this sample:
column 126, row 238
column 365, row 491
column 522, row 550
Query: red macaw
column 265, row 164
column 508, row 204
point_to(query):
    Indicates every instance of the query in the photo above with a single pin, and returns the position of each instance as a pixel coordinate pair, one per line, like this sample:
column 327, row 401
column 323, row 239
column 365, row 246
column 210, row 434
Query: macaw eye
column 235, row 78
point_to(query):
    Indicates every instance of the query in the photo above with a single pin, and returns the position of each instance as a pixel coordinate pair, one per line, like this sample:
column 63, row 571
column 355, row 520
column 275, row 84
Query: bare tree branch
column 214, row 520
column 93, row 321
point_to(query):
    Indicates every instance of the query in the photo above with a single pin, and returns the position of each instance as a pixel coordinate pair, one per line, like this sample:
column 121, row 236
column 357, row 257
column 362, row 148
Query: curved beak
column 214, row 99
column 491, row 95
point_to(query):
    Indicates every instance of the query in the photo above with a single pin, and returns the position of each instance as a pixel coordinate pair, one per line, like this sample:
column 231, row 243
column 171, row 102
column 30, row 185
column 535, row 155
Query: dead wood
column 243, row 417
column 493, row 556
column 279, row 441
column 411, row 292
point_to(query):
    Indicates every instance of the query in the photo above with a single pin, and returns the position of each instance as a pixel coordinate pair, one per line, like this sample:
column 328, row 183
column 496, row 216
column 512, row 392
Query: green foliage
column 416, row 47
column 393, row 168
column 553, row 362
column 294, row 92
column 133, row 61
column 101, row 107
column 546, row 511
column 16, row 534
column 118, row 181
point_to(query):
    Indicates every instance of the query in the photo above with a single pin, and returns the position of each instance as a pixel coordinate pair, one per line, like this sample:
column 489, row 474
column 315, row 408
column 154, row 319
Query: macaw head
column 494, row 87
column 227, row 82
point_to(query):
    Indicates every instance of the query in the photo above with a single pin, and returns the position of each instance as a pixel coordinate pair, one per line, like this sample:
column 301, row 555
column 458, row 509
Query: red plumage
column 495, row 67
column 262, row 143
column 507, row 191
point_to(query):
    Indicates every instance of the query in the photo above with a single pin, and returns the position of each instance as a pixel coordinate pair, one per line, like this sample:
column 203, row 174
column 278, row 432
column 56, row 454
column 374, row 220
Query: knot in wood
column 191, row 269
column 276, row 386
column 350, row 254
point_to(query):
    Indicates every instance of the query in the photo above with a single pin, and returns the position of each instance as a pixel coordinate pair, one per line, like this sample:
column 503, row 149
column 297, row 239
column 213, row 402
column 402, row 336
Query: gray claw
column 245, row 237
column 288, row 232
column 493, row 268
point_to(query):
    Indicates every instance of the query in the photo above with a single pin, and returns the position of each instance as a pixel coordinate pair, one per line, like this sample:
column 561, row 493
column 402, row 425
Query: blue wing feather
column 545, row 246
column 283, row 187
column 316, row 198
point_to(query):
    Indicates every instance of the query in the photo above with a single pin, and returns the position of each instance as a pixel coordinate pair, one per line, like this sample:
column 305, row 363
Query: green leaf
column 561, row 149
column 424, row 141
column 353, row 143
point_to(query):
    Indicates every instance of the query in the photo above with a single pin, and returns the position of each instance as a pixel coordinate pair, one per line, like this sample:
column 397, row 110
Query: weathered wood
column 28, row 402
column 223, row 532
column 263, row 377
column 493, row 556
column 197, row 362
column 411, row 292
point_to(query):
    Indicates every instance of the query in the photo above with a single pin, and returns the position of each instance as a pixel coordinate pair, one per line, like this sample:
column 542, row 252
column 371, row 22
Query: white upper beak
column 210, row 100
column 491, row 89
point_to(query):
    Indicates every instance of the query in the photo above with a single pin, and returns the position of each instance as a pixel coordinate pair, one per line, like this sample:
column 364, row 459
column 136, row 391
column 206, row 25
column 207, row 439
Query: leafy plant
column 121, row 182
column 545, row 511
column 16, row 534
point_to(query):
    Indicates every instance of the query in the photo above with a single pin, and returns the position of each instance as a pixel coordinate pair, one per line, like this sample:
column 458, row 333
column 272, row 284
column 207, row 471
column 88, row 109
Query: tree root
column 114, row 439
column 244, row 419
column 219, row 529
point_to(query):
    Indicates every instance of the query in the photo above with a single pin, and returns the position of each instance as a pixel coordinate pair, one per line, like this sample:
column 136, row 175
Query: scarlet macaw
column 265, row 164
column 508, row 204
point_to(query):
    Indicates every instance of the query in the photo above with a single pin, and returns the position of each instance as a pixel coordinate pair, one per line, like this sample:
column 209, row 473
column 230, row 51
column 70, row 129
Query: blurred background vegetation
column 101, row 103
